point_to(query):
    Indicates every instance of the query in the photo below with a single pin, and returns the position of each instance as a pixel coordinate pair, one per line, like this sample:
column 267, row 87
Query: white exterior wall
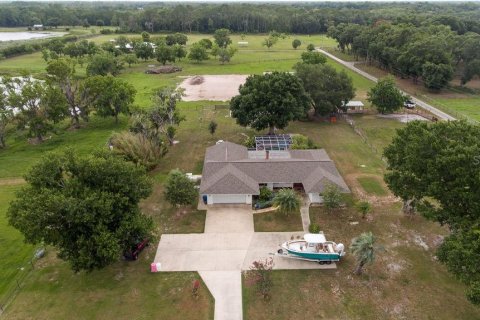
column 315, row 198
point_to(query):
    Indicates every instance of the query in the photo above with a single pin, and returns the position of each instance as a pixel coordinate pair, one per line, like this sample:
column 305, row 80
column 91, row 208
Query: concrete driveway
column 229, row 219
column 226, row 251
column 228, row 246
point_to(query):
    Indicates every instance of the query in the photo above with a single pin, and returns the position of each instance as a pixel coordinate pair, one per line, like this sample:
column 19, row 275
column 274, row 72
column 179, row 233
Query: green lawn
column 15, row 254
column 378, row 133
column 20, row 155
column 277, row 222
column 467, row 106
column 372, row 186
column 126, row 290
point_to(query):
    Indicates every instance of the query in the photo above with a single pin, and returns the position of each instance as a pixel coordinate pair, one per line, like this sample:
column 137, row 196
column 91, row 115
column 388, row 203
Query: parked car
column 409, row 104
column 133, row 253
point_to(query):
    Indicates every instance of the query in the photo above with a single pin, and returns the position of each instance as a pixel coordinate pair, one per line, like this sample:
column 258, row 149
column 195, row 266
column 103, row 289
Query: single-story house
column 234, row 174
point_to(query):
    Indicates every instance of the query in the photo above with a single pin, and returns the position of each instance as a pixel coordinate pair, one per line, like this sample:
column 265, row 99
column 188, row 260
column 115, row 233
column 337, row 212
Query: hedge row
column 25, row 48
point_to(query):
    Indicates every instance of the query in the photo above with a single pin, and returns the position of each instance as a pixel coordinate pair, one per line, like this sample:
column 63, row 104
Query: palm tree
column 363, row 248
column 364, row 207
column 287, row 200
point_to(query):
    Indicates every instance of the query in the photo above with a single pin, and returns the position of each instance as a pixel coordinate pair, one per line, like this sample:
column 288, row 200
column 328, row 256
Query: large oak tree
column 270, row 101
column 327, row 87
column 438, row 167
column 84, row 206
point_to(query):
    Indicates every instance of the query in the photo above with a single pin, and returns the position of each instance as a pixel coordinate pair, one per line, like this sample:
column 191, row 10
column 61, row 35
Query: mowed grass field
column 128, row 290
column 14, row 254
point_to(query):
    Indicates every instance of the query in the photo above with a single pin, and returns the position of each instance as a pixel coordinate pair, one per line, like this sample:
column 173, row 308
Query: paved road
column 351, row 65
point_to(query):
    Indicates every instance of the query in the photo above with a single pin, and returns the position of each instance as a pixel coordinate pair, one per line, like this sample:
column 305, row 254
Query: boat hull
column 320, row 256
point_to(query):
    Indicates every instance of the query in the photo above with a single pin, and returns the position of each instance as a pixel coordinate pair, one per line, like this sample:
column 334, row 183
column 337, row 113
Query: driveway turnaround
column 351, row 65
column 228, row 247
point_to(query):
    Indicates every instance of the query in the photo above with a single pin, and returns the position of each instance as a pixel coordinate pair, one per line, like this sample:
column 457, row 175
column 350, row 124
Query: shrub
column 310, row 47
column 212, row 127
column 300, row 142
column 263, row 204
column 207, row 43
column 260, row 274
column 296, row 43
column 364, row 207
column 106, row 31
column 179, row 190
column 287, row 200
column 332, row 198
column 249, row 142
column 265, row 194
column 313, row 228
column 138, row 149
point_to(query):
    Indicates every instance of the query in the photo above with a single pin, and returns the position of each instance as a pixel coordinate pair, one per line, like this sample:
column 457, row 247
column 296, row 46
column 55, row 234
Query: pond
column 12, row 36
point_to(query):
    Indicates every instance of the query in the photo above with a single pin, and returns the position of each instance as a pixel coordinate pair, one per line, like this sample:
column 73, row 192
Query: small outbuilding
column 354, row 107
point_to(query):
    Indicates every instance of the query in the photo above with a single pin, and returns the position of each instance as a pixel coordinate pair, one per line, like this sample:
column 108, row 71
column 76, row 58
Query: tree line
column 306, row 18
column 431, row 52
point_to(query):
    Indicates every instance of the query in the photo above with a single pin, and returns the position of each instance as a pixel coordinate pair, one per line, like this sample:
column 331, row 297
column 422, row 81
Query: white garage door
column 229, row 198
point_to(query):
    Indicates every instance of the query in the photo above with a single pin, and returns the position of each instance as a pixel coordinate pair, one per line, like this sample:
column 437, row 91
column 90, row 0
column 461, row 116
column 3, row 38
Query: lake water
column 11, row 36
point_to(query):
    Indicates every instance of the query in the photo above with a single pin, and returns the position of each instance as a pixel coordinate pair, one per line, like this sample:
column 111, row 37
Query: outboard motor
column 340, row 249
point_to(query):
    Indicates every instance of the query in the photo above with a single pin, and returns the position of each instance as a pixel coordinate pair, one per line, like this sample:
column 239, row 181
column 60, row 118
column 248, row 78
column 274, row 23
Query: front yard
column 400, row 284
column 277, row 222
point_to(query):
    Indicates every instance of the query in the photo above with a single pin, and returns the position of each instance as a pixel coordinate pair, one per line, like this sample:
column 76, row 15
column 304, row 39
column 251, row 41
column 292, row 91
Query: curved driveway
column 351, row 65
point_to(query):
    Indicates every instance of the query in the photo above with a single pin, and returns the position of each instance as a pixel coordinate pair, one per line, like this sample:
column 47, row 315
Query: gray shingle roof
column 228, row 169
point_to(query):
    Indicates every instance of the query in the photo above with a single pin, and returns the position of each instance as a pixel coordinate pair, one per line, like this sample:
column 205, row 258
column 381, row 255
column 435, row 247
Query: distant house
column 353, row 107
column 128, row 47
column 233, row 174
column 243, row 43
column 38, row 26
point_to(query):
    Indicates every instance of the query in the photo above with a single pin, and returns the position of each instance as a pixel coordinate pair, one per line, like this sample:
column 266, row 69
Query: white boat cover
column 315, row 238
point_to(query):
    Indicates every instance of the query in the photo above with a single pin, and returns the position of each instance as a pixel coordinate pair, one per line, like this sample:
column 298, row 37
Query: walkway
column 305, row 213
column 351, row 65
column 228, row 247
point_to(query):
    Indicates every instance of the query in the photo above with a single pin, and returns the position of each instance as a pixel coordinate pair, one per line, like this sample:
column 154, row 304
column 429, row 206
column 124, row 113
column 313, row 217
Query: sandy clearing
column 213, row 88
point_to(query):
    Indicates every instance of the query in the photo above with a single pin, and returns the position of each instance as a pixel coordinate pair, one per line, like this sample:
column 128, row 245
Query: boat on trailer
column 313, row 247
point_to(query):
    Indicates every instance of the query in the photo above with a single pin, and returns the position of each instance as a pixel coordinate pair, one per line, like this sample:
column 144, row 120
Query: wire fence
column 17, row 283
column 448, row 110
column 362, row 135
